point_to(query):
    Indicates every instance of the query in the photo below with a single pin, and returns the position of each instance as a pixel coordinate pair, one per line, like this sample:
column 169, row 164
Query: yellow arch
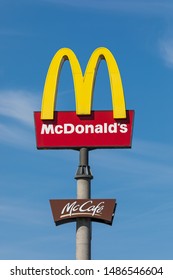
column 83, row 84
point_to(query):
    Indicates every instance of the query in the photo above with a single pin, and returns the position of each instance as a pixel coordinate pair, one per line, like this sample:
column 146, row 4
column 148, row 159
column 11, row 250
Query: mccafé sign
column 99, row 210
column 83, row 127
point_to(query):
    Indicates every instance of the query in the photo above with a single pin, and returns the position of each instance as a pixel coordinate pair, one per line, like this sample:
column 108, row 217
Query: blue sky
column 140, row 35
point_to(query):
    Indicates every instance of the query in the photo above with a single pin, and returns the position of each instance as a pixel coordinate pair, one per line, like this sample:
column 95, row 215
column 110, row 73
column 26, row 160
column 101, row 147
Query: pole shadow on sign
column 83, row 130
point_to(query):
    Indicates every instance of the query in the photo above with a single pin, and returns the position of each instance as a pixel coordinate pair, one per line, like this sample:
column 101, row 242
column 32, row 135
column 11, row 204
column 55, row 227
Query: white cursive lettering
column 87, row 207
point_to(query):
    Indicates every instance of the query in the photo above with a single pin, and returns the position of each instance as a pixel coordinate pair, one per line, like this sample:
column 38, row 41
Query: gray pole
column 83, row 225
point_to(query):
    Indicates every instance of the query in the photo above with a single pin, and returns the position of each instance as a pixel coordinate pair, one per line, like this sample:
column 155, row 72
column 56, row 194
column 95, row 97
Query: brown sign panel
column 67, row 210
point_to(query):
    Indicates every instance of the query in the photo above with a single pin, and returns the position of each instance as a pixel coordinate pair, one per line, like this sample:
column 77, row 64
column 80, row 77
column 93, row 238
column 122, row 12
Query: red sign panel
column 98, row 130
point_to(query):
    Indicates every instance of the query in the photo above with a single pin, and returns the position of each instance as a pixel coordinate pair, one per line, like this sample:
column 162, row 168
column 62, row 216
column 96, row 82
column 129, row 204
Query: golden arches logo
column 83, row 84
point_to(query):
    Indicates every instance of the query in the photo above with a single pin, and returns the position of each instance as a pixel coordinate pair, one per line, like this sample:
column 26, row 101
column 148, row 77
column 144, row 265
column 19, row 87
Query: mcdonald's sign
column 83, row 127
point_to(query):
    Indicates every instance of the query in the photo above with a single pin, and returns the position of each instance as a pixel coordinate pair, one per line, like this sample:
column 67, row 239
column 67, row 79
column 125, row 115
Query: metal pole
column 83, row 225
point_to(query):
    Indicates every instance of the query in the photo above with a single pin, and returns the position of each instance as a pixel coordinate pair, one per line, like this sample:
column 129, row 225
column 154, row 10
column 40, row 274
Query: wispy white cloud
column 147, row 7
column 16, row 117
column 154, row 7
column 15, row 136
column 20, row 212
column 166, row 51
column 18, row 105
column 149, row 162
column 11, row 32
